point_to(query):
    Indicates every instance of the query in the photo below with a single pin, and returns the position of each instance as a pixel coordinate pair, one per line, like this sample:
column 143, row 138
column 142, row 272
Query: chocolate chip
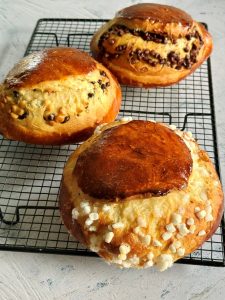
column 51, row 117
column 90, row 95
column 153, row 53
column 103, row 73
column 107, row 84
column 92, row 82
column 111, row 41
column 178, row 67
column 105, row 36
column 100, row 81
column 66, row 119
column 186, row 63
column 16, row 94
column 186, row 49
column 139, row 51
column 136, row 32
column 103, row 87
column 120, row 32
column 162, row 61
column 188, row 37
column 194, row 47
column 23, row 116
column 146, row 52
column 153, row 63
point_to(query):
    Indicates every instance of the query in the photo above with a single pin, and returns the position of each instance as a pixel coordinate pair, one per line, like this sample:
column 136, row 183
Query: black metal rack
column 30, row 175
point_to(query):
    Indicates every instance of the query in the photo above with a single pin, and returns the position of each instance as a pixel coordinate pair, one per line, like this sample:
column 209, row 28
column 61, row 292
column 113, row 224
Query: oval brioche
column 140, row 193
column 151, row 45
column 57, row 96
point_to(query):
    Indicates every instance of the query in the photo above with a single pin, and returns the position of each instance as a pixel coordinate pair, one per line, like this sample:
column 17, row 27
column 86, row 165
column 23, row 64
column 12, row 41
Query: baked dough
column 140, row 193
column 57, row 96
column 151, row 45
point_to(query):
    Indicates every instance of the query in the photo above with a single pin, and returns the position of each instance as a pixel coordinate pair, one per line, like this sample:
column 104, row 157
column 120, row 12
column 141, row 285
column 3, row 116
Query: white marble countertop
column 46, row 276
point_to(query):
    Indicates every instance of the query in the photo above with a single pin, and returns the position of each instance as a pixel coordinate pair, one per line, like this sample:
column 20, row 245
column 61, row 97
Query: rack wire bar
column 30, row 175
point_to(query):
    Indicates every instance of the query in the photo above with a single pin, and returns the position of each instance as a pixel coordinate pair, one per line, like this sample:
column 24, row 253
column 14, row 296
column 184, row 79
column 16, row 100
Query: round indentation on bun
column 134, row 158
column 140, row 194
column 57, row 96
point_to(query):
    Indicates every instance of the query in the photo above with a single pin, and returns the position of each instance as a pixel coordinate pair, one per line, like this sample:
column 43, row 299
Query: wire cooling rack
column 30, row 175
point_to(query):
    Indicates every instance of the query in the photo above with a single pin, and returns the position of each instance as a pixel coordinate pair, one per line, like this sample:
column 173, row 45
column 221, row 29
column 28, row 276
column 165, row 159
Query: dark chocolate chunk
column 103, row 73
column 103, row 86
column 153, row 63
column 153, row 53
column 111, row 41
column 66, row 119
column 100, row 81
column 90, row 95
column 51, row 117
column 186, row 49
column 194, row 47
column 23, row 116
column 188, row 37
column 16, row 94
column 120, row 32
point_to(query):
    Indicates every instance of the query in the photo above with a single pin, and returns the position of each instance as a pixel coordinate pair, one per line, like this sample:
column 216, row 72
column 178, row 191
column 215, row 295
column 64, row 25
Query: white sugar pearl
column 75, row 214
column 109, row 236
column 201, row 233
column 124, row 248
column 94, row 216
column 117, row 225
column 181, row 251
column 176, row 218
column 166, row 236
column 201, row 214
column 87, row 209
column 190, row 221
column 88, row 222
column 170, row 227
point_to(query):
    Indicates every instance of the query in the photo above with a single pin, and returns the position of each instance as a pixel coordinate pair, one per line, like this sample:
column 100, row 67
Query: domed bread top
column 48, row 65
column 121, row 164
column 156, row 13
column 143, row 230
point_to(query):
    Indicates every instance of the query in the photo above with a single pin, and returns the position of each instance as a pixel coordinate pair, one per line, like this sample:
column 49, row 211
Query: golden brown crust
column 145, row 157
column 57, row 99
column 155, row 230
column 157, row 13
column 179, row 44
column 48, row 65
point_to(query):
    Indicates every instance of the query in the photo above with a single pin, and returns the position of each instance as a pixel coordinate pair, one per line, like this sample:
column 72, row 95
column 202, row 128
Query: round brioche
column 140, row 193
column 57, row 96
column 151, row 45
